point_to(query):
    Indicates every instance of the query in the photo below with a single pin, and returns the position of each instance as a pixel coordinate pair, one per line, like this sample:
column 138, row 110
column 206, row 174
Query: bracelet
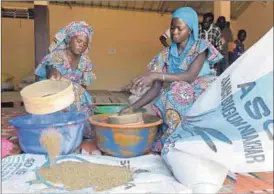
column 163, row 77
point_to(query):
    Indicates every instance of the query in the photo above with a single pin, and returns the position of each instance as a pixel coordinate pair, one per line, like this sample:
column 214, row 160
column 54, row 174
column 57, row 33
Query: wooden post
column 222, row 8
column 41, row 30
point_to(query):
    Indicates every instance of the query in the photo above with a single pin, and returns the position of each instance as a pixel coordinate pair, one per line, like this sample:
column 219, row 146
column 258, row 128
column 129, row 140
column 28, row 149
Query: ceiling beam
column 134, row 7
column 143, row 6
column 118, row 5
column 161, row 7
column 69, row 4
column 237, row 12
column 45, row 3
column 167, row 6
column 151, row 6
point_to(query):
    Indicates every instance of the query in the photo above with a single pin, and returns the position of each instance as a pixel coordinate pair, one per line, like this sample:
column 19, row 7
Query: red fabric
column 6, row 147
column 9, row 132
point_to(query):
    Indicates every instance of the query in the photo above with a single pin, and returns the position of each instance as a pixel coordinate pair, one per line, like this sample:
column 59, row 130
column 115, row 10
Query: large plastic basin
column 69, row 124
column 125, row 141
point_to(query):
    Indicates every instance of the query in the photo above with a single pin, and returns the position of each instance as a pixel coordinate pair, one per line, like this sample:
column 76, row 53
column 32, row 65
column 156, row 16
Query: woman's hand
column 143, row 81
column 127, row 88
column 54, row 74
column 127, row 110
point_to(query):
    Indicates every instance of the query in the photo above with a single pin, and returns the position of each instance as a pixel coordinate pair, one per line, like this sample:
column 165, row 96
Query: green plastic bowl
column 112, row 109
column 109, row 109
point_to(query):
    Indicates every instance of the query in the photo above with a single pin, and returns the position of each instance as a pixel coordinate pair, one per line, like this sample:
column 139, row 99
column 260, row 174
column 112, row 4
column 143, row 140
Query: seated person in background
column 68, row 59
column 237, row 48
column 226, row 37
column 163, row 38
column 185, row 66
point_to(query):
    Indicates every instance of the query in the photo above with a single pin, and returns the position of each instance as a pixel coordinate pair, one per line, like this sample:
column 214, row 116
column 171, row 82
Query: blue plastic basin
column 69, row 124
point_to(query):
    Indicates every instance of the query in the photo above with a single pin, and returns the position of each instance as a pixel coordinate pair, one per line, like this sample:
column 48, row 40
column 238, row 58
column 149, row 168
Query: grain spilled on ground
column 78, row 175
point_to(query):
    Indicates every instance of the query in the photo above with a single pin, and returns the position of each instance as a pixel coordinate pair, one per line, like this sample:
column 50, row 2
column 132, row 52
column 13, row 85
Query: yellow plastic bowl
column 47, row 96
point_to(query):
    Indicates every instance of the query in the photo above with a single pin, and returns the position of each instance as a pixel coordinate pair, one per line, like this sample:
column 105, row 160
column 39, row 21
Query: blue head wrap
column 190, row 18
column 75, row 28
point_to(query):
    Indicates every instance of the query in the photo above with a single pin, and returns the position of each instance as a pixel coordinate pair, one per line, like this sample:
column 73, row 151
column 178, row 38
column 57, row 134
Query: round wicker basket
column 47, row 96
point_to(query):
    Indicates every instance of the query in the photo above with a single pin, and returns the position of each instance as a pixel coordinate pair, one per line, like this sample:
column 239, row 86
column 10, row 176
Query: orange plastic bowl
column 125, row 141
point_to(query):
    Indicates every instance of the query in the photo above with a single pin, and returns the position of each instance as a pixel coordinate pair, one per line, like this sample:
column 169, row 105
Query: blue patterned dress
column 174, row 102
column 80, row 76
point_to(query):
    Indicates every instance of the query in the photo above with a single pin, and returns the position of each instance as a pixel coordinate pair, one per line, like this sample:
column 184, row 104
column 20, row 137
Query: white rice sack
column 150, row 174
column 230, row 127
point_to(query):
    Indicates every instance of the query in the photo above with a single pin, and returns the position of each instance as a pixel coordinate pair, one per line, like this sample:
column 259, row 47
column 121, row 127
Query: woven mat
column 261, row 182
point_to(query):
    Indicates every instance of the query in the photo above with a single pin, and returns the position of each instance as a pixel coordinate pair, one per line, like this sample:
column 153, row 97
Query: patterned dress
column 83, row 75
column 80, row 76
column 174, row 102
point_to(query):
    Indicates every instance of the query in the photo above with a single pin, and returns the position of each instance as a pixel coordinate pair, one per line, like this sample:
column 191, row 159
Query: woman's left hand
column 143, row 81
column 127, row 110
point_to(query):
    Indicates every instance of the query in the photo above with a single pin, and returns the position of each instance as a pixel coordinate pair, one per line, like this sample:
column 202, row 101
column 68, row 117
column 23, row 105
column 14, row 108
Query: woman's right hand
column 127, row 88
column 127, row 110
column 54, row 74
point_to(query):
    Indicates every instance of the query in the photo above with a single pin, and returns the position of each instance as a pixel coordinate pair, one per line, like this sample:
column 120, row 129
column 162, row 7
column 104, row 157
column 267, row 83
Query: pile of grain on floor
column 77, row 175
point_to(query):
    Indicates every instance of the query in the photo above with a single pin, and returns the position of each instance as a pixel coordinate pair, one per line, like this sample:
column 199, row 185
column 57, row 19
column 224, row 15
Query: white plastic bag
column 230, row 125
column 150, row 174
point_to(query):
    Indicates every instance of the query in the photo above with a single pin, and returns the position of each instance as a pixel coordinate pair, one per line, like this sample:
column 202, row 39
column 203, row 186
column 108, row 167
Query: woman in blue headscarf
column 68, row 59
column 185, row 65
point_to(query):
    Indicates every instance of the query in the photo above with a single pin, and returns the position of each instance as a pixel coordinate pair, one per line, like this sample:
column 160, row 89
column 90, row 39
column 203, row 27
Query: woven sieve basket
column 47, row 96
